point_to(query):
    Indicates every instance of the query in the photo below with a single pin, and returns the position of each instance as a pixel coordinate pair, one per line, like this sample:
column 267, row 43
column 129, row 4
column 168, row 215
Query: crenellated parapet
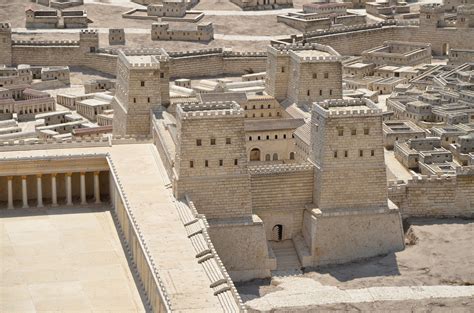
column 179, row 54
column 45, row 43
column 271, row 169
column 347, row 108
column 5, row 28
column 218, row 109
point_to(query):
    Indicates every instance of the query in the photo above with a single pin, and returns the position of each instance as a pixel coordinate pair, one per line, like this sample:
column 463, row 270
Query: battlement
column 218, row 109
column 140, row 59
column 345, row 108
column 347, row 29
column 46, row 43
column 465, row 170
column 158, row 53
column 286, row 49
column 467, row 9
column 315, row 59
column 5, row 27
column 422, row 179
column 94, row 32
column 432, row 8
column 244, row 54
column 178, row 54
column 271, row 169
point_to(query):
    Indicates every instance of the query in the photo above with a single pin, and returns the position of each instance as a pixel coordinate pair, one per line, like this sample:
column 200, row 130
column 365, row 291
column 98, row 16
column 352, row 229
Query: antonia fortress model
column 205, row 176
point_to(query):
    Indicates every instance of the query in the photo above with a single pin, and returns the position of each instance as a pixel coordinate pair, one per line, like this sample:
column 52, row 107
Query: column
column 39, row 191
column 10, row 192
column 54, row 190
column 68, row 189
column 96, row 187
column 83, row 188
column 24, row 192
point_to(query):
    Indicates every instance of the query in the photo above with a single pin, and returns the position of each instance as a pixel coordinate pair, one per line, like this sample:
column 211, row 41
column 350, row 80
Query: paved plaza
column 64, row 260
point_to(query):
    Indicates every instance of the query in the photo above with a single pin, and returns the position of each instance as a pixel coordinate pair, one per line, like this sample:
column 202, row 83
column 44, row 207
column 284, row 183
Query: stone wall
column 434, row 196
column 280, row 194
column 342, row 237
column 242, row 247
column 353, row 40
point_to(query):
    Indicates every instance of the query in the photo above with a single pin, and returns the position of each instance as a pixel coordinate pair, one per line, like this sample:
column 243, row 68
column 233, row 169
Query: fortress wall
column 216, row 196
column 435, row 196
column 281, row 190
column 242, row 248
column 47, row 55
column 353, row 43
column 196, row 66
column 106, row 63
column 279, row 198
column 244, row 65
column 339, row 238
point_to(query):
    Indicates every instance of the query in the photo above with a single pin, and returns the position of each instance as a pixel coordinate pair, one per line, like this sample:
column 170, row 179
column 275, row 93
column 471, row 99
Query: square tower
column 138, row 90
column 211, row 162
column 347, row 150
column 89, row 40
column 304, row 73
column 5, row 44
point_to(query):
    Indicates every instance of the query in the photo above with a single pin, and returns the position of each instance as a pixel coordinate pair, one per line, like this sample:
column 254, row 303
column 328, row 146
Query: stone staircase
column 288, row 262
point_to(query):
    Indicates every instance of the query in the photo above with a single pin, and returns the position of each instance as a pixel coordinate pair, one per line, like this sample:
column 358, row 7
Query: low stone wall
column 350, row 235
column 155, row 292
column 433, row 196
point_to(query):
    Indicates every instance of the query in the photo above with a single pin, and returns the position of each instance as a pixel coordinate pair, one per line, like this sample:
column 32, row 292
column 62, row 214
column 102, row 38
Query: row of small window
column 315, row 75
column 361, row 153
column 340, row 131
column 135, row 100
column 263, row 115
column 308, row 92
column 254, row 107
column 212, row 141
column 268, row 137
column 206, row 163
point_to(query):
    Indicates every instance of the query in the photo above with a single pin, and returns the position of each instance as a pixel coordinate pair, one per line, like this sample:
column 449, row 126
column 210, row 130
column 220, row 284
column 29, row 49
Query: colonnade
column 54, row 190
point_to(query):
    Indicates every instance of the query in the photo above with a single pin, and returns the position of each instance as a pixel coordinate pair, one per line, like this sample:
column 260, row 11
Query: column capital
column 23, row 176
column 83, row 173
column 10, row 177
column 54, row 174
column 39, row 175
column 97, row 173
column 68, row 174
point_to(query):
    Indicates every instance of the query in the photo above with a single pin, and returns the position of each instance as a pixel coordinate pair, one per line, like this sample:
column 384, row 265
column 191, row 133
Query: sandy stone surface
column 64, row 260
column 439, row 255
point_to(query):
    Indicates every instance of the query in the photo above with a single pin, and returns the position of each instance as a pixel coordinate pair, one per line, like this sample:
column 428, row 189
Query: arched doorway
column 277, row 232
column 255, row 154
column 445, row 49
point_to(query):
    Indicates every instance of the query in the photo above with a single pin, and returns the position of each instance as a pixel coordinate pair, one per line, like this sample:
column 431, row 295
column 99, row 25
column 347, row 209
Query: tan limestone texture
column 64, row 260
column 438, row 256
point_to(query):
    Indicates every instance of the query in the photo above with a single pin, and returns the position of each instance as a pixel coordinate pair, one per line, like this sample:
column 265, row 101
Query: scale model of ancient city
column 236, row 156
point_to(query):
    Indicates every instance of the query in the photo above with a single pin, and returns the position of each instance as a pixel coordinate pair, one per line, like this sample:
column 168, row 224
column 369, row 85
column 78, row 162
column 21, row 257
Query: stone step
column 286, row 256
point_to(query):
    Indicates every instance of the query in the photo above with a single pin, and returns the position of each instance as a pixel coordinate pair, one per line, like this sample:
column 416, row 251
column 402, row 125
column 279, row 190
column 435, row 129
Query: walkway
column 153, row 206
column 296, row 293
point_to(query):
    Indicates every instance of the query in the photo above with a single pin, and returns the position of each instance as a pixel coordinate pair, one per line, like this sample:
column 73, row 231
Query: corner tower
column 352, row 216
column 5, row 44
column 138, row 90
column 303, row 74
column 211, row 168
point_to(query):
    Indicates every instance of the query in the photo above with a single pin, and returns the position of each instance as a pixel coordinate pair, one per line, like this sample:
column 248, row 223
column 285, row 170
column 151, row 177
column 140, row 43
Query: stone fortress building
column 217, row 163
